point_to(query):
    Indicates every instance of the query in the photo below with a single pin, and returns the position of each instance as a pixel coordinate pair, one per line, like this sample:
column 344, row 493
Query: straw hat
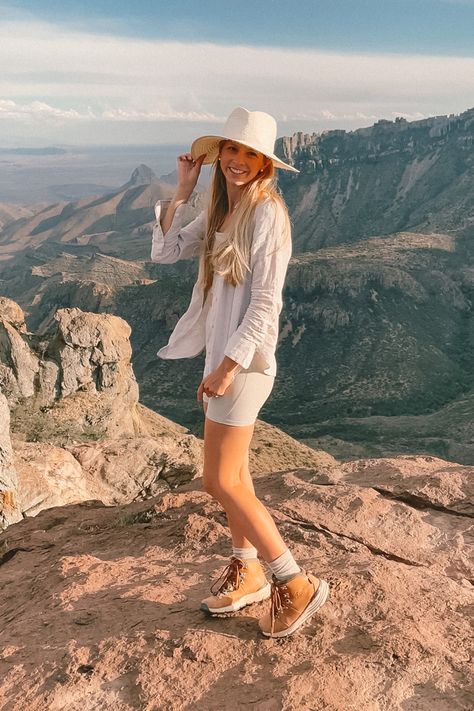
column 254, row 129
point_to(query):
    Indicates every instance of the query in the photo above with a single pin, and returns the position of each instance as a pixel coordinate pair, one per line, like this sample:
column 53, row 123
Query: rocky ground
column 109, row 544
column 100, row 605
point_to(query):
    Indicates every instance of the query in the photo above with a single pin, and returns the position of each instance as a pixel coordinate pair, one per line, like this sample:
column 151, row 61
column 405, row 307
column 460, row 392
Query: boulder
column 114, row 471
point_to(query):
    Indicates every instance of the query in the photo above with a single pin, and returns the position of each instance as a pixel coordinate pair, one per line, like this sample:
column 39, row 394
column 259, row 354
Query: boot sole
column 249, row 599
column 320, row 597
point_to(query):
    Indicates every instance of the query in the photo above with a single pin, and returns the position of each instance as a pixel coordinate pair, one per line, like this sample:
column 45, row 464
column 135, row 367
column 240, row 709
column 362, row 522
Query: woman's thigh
column 245, row 476
column 225, row 450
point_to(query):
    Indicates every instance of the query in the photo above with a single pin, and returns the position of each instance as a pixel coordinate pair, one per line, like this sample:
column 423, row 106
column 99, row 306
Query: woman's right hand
column 188, row 171
column 188, row 174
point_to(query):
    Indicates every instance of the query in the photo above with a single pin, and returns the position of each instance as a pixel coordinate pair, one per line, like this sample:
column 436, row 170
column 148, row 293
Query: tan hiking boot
column 292, row 604
column 241, row 583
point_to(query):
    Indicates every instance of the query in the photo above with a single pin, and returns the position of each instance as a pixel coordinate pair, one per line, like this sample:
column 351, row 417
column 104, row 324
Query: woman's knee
column 219, row 489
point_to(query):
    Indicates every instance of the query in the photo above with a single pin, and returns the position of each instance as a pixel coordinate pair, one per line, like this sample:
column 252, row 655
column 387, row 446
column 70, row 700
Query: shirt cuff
column 160, row 247
column 240, row 349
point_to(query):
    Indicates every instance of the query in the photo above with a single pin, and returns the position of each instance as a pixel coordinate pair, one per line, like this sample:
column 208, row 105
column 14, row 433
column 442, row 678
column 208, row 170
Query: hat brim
column 210, row 146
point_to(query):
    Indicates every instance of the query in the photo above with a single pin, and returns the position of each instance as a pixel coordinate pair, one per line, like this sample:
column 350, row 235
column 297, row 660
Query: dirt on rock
column 100, row 605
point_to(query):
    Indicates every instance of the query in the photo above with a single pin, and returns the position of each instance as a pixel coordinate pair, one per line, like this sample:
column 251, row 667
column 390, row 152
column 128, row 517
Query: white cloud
column 36, row 110
column 127, row 115
column 50, row 74
column 41, row 111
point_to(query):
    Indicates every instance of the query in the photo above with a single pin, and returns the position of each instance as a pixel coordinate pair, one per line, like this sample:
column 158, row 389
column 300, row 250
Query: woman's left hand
column 216, row 383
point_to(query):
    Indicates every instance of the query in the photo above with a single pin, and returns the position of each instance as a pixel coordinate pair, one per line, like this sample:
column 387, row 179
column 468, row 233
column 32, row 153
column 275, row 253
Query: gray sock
column 285, row 567
column 244, row 553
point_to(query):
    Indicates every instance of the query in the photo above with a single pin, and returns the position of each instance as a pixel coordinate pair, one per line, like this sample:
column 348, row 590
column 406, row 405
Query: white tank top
column 219, row 236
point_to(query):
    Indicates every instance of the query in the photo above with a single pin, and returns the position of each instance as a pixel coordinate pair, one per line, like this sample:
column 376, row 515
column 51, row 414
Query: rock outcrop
column 101, row 605
column 79, row 368
column 9, row 504
column 78, row 429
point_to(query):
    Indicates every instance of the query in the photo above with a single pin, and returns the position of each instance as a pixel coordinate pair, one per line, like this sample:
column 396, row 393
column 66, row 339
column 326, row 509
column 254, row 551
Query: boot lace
column 279, row 600
column 229, row 579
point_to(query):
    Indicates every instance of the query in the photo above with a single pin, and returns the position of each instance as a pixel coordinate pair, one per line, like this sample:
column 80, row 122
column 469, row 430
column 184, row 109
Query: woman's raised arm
column 188, row 174
column 171, row 241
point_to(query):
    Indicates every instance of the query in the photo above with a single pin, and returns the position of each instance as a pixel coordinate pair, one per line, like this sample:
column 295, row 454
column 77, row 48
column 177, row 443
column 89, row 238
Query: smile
column 237, row 172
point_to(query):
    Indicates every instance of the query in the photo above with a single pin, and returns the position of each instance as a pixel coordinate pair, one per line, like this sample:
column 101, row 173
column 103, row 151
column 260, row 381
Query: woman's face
column 240, row 164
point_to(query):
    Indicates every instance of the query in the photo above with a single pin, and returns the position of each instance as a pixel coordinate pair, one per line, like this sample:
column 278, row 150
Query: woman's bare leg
column 238, row 538
column 225, row 447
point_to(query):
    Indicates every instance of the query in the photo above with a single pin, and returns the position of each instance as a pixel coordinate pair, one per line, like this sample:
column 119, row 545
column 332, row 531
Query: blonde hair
column 231, row 259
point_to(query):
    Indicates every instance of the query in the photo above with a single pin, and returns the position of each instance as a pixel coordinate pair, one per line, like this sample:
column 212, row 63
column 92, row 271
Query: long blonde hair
column 231, row 259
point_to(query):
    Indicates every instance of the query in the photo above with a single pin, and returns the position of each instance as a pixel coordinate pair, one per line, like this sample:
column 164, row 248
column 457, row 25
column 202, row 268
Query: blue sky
column 415, row 26
column 108, row 71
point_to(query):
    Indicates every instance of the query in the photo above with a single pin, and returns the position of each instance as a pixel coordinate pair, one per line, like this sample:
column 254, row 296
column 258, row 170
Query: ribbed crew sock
column 245, row 553
column 285, row 567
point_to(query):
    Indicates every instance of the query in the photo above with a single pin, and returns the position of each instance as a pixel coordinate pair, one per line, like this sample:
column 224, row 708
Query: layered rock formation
column 101, row 605
column 73, row 393
column 392, row 176
column 77, row 355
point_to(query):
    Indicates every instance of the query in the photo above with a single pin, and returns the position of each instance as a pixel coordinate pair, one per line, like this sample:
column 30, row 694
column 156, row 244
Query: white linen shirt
column 243, row 320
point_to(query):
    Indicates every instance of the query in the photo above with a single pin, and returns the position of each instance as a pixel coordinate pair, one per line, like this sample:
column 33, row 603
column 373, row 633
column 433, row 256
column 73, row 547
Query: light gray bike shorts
column 242, row 400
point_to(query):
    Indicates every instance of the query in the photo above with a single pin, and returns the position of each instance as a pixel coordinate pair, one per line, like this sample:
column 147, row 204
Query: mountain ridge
column 393, row 176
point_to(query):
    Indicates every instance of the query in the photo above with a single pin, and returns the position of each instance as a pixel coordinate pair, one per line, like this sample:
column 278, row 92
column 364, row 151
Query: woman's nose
column 239, row 159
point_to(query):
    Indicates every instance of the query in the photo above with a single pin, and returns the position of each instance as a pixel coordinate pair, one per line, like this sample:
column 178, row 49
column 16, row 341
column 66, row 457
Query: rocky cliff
column 392, row 176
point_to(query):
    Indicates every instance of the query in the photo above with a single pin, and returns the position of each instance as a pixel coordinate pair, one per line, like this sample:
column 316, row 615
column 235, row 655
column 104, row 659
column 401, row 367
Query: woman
column 244, row 244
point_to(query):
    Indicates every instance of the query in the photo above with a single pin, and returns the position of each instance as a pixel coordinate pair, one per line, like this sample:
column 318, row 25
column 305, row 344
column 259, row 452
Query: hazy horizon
column 60, row 171
column 79, row 172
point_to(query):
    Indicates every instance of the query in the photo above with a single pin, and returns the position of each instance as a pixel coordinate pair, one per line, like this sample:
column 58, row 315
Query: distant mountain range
column 377, row 334
column 112, row 222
